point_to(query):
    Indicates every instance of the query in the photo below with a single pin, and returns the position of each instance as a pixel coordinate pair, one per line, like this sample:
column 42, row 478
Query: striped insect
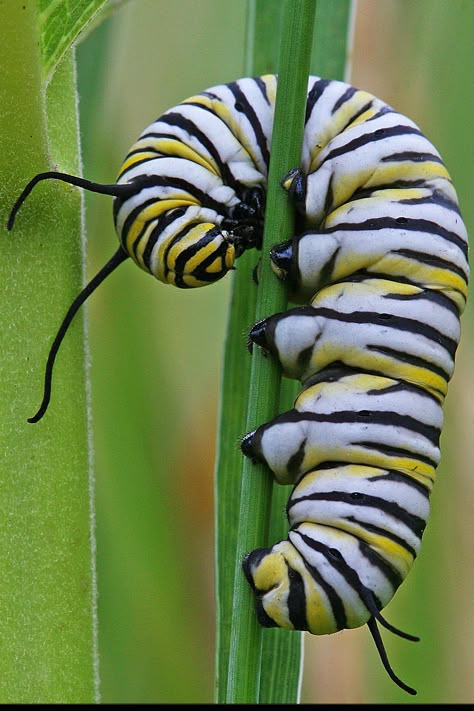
column 380, row 274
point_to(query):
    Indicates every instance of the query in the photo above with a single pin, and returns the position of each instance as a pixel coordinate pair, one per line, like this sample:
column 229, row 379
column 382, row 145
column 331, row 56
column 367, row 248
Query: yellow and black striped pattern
column 382, row 266
column 198, row 170
column 381, row 270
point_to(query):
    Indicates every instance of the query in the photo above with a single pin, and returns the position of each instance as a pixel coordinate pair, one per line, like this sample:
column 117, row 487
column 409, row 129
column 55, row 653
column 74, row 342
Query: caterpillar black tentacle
column 375, row 632
column 379, row 274
column 111, row 189
column 117, row 258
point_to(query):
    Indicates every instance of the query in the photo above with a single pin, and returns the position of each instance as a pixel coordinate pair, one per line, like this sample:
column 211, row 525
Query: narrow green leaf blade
column 331, row 41
column 262, row 45
column 246, row 638
column 282, row 654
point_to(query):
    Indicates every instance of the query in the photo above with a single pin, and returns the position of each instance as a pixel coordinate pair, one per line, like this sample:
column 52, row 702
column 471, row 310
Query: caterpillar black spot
column 379, row 276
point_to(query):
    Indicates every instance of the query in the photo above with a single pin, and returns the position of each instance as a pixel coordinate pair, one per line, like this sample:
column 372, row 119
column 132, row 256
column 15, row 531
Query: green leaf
column 331, row 39
column 281, row 650
column 61, row 22
column 246, row 637
column 262, row 47
column 47, row 598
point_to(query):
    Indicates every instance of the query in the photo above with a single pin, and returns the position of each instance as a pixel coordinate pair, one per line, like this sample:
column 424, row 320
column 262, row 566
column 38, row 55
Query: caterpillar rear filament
column 379, row 275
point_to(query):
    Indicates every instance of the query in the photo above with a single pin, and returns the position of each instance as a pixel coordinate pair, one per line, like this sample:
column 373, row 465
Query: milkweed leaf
column 61, row 23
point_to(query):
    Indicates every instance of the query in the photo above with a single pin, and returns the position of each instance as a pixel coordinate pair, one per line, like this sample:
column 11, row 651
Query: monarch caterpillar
column 380, row 274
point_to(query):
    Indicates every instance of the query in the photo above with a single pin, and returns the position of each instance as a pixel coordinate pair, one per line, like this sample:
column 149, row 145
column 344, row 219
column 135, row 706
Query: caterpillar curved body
column 380, row 272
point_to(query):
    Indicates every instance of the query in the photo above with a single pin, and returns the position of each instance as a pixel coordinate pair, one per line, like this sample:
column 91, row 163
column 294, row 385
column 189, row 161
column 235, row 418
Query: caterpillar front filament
column 379, row 275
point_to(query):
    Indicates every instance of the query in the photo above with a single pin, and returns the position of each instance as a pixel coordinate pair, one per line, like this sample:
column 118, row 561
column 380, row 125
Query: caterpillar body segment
column 374, row 325
column 358, row 418
column 405, row 229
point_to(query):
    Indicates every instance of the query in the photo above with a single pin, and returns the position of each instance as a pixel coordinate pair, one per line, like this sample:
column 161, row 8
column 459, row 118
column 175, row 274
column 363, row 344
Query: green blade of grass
column 282, row 650
column 262, row 46
column 246, row 637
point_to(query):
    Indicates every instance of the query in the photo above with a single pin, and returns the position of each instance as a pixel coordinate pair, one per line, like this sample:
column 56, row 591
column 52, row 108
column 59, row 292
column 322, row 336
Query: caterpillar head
column 177, row 242
column 202, row 256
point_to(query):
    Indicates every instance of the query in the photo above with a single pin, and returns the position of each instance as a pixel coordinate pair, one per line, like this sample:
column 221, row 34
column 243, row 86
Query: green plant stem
column 263, row 40
column 47, row 570
column 282, row 650
column 246, row 637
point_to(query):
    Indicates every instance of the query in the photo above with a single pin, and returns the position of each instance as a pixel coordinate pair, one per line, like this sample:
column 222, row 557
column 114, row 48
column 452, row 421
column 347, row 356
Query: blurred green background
column 155, row 368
